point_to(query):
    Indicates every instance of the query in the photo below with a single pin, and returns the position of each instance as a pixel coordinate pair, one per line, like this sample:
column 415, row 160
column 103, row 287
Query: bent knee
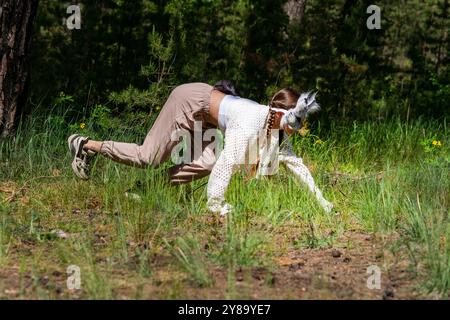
column 144, row 157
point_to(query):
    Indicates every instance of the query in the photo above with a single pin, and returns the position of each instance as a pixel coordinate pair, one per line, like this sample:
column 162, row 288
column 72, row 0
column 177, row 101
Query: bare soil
column 332, row 273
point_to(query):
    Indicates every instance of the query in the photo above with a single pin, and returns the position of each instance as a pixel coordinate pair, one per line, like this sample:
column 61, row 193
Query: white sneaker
column 80, row 164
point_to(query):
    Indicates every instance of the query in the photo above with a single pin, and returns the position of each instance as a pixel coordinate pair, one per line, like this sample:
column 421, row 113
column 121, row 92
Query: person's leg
column 155, row 150
column 198, row 168
column 185, row 105
column 92, row 145
column 157, row 145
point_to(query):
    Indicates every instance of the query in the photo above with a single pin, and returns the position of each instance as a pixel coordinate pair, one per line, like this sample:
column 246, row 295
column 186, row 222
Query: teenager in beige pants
column 186, row 104
column 242, row 119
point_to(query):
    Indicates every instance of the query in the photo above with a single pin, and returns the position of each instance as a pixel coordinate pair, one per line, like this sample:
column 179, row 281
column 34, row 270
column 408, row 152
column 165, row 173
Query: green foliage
column 189, row 255
column 386, row 174
column 137, row 46
column 377, row 174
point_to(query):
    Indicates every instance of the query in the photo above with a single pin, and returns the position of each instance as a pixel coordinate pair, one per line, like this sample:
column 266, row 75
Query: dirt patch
column 344, row 272
column 333, row 273
column 15, row 284
column 8, row 190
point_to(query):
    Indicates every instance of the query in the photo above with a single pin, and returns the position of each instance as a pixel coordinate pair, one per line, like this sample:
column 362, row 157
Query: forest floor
column 388, row 182
column 337, row 272
column 299, row 274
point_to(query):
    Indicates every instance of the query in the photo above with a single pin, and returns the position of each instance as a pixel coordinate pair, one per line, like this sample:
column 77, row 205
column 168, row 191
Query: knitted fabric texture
column 246, row 142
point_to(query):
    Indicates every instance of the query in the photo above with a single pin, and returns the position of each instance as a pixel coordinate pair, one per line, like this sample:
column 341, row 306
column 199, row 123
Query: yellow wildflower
column 82, row 125
column 437, row 143
column 303, row 132
column 318, row 141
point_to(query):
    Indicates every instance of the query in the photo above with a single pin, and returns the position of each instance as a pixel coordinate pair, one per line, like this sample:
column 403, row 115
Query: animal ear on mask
column 306, row 105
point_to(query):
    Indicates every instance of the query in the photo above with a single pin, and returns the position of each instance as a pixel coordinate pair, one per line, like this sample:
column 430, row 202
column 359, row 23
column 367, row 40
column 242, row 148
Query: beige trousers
column 186, row 104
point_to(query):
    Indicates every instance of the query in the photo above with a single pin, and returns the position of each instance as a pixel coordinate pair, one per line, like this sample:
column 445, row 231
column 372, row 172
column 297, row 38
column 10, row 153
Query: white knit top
column 243, row 122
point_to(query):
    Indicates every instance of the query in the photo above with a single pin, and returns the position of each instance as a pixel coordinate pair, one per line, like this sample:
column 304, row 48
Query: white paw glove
column 226, row 208
column 222, row 208
column 326, row 205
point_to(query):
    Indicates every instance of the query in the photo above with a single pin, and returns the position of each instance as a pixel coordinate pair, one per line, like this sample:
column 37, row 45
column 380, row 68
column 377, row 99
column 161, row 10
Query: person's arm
column 295, row 165
column 233, row 154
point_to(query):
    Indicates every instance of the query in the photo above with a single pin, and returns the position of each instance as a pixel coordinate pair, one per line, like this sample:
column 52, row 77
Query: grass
column 385, row 178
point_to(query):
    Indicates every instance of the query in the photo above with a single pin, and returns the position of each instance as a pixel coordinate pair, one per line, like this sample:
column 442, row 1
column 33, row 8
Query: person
column 255, row 135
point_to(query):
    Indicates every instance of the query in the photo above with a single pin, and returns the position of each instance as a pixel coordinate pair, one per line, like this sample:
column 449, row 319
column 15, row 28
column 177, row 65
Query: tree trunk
column 295, row 9
column 16, row 21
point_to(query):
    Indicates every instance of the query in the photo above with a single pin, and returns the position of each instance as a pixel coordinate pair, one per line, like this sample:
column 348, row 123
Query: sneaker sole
column 78, row 172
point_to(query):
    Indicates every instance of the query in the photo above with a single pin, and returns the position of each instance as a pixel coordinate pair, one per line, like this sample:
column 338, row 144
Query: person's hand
column 327, row 206
column 226, row 208
column 221, row 208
